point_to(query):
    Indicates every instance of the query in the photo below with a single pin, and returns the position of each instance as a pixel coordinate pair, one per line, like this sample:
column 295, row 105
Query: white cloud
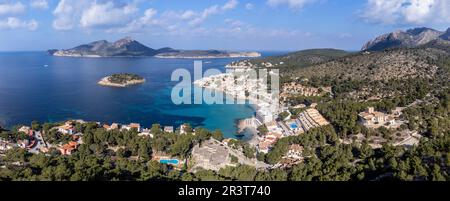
column 112, row 16
column 106, row 15
column 411, row 12
column 230, row 5
column 39, row 4
column 16, row 23
column 234, row 23
column 170, row 19
column 213, row 10
column 67, row 13
column 10, row 8
column 189, row 14
column 137, row 25
column 89, row 14
column 249, row 6
column 294, row 4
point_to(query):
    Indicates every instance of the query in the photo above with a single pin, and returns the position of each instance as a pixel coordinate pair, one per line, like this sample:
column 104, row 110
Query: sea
column 37, row 86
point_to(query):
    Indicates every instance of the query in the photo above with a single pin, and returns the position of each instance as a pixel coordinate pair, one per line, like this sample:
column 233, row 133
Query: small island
column 121, row 80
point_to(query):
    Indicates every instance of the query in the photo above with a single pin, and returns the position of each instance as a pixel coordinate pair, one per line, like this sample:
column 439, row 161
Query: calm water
column 67, row 89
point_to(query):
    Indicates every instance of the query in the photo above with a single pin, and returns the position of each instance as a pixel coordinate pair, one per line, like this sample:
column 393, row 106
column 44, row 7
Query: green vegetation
column 123, row 78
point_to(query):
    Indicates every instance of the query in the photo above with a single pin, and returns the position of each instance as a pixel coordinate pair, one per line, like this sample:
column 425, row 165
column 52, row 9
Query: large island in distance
column 206, row 54
column 128, row 47
column 121, row 80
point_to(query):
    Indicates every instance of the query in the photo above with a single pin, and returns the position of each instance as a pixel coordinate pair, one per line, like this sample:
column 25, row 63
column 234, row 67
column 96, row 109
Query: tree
column 436, row 174
column 283, row 115
column 35, row 125
column 278, row 175
column 249, row 151
column 218, row 135
column 156, row 129
column 263, row 130
column 234, row 159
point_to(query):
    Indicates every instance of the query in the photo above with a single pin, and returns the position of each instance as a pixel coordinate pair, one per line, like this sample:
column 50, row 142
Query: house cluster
column 123, row 127
column 405, row 138
column 248, row 64
column 68, row 128
column 5, row 145
column 241, row 85
column 293, row 156
column 141, row 130
column 375, row 119
column 295, row 88
column 27, row 143
column 30, row 141
column 307, row 120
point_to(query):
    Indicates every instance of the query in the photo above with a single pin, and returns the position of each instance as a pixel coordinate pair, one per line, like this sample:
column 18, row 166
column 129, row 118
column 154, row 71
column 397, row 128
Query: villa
column 135, row 126
column 5, row 145
column 168, row 129
column 295, row 151
column 132, row 126
column 112, row 127
column 266, row 142
column 67, row 128
column 67, row 149
column 145, row 132
column 374, row 119
column 183, row 128
column 24, row 129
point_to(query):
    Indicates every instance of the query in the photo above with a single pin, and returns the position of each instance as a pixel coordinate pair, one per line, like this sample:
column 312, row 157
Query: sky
column 283, row 25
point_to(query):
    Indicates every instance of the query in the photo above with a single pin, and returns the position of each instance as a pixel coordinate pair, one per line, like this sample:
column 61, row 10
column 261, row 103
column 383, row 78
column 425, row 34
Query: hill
column 293, row 60
column 126, row 47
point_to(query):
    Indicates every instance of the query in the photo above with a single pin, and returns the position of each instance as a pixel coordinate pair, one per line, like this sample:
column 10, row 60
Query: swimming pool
column 294, row 126
column 169, row 161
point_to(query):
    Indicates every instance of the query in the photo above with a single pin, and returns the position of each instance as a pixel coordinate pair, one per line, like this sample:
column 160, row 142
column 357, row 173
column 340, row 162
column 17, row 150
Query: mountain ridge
column 405, row 39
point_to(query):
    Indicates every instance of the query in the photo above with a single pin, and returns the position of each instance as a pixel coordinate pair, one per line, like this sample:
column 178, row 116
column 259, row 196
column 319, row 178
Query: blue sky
column 213, row 24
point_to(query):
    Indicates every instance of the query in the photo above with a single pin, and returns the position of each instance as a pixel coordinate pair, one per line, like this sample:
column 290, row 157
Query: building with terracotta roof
column 373, row 119
column 68, row 149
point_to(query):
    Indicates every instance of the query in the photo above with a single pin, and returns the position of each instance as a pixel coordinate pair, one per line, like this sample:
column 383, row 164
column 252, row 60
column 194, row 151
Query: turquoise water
column 36, row 86
column 169, row 161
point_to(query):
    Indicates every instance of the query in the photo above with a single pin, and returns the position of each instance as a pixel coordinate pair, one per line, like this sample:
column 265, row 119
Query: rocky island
column 121, row 80
column 128, row 47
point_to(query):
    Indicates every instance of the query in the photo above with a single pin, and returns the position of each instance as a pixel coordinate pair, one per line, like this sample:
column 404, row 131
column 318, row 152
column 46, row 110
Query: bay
column 36, row 86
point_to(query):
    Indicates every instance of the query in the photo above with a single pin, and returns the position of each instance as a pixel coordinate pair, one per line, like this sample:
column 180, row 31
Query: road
column 39, row 144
